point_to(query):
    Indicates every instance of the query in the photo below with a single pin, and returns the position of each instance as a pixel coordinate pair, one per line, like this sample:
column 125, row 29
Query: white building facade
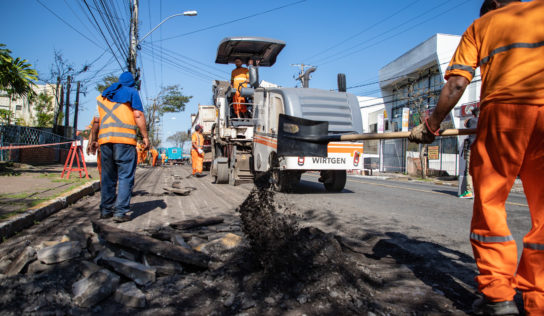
column 23, row 110
column 411, row 84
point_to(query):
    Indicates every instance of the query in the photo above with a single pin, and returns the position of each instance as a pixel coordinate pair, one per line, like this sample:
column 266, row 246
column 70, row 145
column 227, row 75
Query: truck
column 205, row 117
column 175, row 156
column 243, row 148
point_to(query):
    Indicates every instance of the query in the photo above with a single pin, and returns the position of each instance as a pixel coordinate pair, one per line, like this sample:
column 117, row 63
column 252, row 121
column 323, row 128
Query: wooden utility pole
column 76, row 106
column 133, row 39
column 57, row 105
column 67, row 107
column 61, row 108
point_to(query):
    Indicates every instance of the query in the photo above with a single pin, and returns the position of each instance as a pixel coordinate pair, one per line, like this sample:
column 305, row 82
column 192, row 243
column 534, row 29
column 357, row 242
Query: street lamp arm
column 186, row 13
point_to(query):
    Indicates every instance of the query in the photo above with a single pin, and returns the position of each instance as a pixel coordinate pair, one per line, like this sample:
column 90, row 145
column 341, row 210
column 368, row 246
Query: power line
column 73, row 28
column 235, row 20
column 104, row 36
column 335, row 57
column 363, row 31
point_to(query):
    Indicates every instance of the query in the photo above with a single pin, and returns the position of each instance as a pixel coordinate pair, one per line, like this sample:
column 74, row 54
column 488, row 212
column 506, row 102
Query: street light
column 186, row 13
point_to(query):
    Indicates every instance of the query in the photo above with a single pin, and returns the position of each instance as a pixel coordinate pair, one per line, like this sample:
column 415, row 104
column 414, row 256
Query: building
column 411, row 85
column 371, row 109
column 22, row 110
column 415, row 79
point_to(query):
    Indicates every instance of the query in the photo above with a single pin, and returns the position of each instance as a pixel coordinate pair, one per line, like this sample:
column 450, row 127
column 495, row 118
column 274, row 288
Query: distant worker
column 239, row 78
column 506, row 42
column 163, row 158
column 93, row 141
column 140, row 151
column 469, row 123
column 154, row 155
column 197, row 153
column 121, row 114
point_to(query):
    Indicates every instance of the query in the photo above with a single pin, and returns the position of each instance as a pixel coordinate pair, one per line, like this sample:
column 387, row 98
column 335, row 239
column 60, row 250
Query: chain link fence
column 15, row 135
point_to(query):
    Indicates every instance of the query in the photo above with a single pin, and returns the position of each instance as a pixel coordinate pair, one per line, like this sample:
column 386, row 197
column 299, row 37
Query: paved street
column 407, row 234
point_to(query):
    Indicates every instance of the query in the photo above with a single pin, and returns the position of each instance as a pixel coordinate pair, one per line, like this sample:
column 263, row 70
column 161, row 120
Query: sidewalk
column 23, row 187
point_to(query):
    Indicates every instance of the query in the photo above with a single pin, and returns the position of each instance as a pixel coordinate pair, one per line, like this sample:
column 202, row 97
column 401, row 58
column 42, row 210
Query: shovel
column 306, row 138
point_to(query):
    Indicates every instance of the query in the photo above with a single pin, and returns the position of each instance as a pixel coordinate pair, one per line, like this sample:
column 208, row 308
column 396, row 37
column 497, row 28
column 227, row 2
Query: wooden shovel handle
column 370, row 136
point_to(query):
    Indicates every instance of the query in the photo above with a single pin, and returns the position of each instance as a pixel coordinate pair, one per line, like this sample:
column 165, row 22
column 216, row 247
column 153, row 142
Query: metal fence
column 15, row 135
column 399, row 155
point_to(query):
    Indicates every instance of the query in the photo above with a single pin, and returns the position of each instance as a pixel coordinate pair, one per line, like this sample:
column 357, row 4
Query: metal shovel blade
column 301, row 137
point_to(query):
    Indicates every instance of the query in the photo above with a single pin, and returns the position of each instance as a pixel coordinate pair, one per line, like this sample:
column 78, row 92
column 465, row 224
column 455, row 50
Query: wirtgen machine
column 243, row 148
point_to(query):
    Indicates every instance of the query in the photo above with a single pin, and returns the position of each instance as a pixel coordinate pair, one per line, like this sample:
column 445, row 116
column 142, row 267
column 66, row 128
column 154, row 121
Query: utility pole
column 67, row 108
column 303, row 76
column 76, row 106
column 60, row 109
column 133, row 39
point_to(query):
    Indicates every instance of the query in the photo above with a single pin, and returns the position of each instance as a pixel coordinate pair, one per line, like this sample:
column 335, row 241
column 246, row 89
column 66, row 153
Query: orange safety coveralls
column 163, row 158
column 238, row 77
column 197, row 141
column 507, row 45
column 139, row 150
column 154, row 155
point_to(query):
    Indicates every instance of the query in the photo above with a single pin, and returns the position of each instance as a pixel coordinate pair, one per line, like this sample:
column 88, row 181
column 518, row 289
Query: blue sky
column 354, row 37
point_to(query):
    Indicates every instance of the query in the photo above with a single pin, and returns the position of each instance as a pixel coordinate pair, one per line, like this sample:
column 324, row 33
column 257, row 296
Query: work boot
column 105, row 215
column 121, row 219
column 482, row 306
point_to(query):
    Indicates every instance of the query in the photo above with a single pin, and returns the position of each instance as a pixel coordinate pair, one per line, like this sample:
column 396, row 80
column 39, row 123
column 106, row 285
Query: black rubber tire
column 285, row 181
column 339, row 178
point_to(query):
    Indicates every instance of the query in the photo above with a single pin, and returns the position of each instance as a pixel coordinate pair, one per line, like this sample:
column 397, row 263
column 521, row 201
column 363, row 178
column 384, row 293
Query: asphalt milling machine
column 244, row 148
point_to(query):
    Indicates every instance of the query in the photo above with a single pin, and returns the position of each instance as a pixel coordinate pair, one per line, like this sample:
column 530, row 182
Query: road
column 422, row 211
column 411, row 237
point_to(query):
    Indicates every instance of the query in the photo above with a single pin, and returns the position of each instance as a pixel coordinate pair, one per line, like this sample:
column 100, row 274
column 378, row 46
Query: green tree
column 178, row 139
column 44, row 110
column 16, row 75
column 106, row 82
column 169, row 100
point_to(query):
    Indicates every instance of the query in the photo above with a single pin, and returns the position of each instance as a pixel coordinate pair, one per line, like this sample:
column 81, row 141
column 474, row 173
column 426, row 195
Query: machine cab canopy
column 258, row 48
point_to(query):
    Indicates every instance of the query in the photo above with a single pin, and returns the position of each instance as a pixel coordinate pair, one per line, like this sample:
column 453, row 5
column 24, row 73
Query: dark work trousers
column 118, row 164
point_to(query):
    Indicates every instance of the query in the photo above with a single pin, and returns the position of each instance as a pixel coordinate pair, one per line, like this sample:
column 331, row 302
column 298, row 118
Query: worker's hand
column 146, row 143
column 92, row 147
column 200, row 151
column 421, row 135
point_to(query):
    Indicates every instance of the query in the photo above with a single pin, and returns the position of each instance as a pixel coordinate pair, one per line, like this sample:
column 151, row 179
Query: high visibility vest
column 197, row 140
column 117, row 124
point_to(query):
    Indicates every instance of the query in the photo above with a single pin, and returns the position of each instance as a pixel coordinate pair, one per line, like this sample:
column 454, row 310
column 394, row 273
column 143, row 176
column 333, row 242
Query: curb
column 45, row 209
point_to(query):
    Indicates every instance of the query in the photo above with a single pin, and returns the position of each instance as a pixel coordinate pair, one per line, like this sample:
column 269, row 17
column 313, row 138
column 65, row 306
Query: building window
column 18, row 107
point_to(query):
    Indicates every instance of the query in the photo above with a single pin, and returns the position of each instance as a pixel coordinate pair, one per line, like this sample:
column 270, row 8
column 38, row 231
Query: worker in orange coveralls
column 163, row 158
column 197, row 152
column 507, row 43
column 140, row 148
column 239, row 78
column 154, row 155
column 94, row 127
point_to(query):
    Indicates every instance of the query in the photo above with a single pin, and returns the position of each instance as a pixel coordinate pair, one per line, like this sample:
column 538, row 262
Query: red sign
column 466, row 110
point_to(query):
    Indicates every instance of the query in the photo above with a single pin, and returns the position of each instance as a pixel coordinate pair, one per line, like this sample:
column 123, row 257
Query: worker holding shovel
column 507, row 43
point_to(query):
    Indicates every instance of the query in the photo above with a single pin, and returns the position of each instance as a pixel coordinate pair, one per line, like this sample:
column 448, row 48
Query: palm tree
column 16, row 75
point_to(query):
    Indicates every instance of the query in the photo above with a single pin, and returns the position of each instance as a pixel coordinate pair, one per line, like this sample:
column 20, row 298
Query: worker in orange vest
column 140, row 150
column 197, row 151
column 238, row 79
column 154, row 155
column 506, row 42
column 121, row 115
column 163, row 158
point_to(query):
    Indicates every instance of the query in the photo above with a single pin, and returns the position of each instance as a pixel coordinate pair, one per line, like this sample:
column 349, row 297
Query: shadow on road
column 452, row 193
column 439, row 267
column 140, row 208
column 309, row 187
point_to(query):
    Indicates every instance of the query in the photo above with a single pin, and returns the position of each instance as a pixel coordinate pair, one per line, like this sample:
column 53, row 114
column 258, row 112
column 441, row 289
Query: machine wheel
column 222, row 175
column 284, row 181
column 335, row 180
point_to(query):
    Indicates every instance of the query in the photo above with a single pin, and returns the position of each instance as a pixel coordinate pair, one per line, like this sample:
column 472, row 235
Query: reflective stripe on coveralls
column 117, row 124
column 506, row 44
column 197, row 141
